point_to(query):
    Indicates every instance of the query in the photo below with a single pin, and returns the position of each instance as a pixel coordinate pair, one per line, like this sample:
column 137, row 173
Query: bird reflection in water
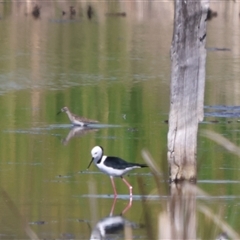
column 77, row 132
column 113, row 224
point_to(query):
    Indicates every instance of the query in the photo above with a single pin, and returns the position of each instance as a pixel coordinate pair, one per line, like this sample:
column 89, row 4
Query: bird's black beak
column 90, row 163
column 59, row 112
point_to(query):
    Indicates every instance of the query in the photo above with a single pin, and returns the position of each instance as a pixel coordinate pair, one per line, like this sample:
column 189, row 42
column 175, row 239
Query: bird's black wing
column 120, row 163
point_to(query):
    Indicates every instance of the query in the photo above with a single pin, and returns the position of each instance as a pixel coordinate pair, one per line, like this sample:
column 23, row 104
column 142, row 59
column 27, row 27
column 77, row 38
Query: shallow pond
column 115, row 69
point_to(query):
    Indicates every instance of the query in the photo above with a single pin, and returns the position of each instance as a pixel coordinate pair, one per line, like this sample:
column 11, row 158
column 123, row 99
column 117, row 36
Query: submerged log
column 188, row 56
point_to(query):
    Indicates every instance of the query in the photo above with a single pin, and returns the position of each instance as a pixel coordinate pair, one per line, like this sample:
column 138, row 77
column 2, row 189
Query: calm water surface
column 115, row 70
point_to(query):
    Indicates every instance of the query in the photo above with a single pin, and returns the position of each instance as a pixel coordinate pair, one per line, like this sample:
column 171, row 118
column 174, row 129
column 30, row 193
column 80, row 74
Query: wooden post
column 188, row 57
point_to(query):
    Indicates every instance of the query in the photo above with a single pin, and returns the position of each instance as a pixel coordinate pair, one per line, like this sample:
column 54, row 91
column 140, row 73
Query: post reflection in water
column 183, row 211
column 186, row 209
column 112, row 224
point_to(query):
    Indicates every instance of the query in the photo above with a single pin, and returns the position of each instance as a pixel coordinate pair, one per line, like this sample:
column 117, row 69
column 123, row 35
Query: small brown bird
column 77, row 120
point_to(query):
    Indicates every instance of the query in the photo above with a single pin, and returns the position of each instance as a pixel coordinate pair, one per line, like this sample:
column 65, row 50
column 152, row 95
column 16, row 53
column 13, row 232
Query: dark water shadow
column 45, row 129
column 64, row 21
column 122, row 196
column 91, row 126
column 219, row 181
column 222, row 111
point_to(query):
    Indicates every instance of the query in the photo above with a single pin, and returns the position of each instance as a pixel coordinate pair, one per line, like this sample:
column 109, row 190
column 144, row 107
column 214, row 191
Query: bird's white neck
column 99, row 159
column 69, row 115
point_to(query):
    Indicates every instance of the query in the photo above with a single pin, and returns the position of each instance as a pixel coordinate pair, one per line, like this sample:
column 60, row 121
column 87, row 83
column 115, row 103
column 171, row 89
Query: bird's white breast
column 76, row 122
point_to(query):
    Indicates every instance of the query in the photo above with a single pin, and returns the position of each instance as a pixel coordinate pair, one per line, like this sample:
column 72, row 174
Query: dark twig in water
column 118, row 14
column 211, row 14
column 36, row 11
column 72, row 11
column 89, row 12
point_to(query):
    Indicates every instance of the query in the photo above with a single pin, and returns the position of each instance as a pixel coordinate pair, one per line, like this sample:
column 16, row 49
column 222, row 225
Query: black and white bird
column 113, row 166
column 77, row 120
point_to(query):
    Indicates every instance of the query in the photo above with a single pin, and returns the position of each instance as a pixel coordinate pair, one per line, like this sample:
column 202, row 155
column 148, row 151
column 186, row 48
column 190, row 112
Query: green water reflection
column 115, row 70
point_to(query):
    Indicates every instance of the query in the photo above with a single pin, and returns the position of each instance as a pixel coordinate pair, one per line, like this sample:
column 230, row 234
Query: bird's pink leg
column 128, row 206
column 129, row 186
column 114, row 188
column 113, row 206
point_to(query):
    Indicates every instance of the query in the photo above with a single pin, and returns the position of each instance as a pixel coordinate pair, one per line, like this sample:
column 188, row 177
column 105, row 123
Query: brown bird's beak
column 90, row 163
column 59, row 112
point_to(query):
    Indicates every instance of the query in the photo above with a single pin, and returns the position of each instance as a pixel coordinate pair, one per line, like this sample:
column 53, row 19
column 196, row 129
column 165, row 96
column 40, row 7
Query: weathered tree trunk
column 188, row 57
